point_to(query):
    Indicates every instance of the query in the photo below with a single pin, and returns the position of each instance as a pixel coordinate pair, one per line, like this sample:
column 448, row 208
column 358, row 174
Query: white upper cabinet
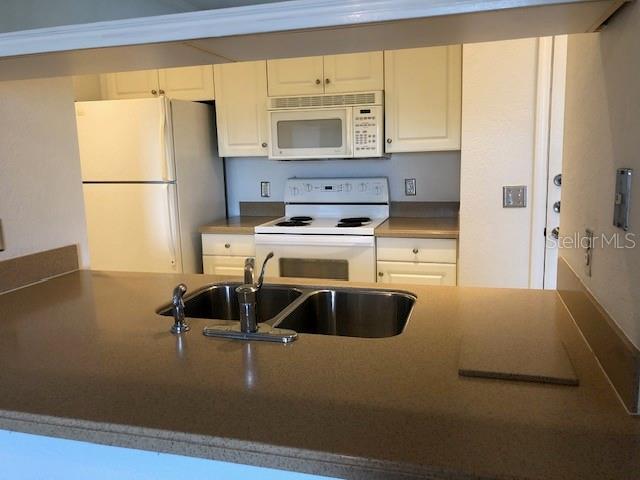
column 241, row 108
column 423, row 99
column 187, row 83
column 352, row 72
column 137, row 84
column 295, row 76
column 183, row 83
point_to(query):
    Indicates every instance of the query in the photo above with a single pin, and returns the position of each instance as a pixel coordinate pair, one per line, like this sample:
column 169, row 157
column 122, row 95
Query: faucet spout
column 248, row 295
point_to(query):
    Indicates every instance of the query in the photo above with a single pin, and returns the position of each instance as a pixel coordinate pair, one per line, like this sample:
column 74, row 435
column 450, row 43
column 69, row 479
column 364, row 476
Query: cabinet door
column 223, row 265
column 423, row 99
column 187, row 83
column 241, row 108
column 138, row 84
column 417, row 273
column 353, row 72
column 295, row 76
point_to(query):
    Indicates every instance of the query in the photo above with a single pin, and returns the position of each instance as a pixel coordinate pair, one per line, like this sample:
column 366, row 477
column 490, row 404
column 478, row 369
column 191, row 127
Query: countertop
column 410, row 227
column 235, row 225
column 85, row 356
column 393, row 227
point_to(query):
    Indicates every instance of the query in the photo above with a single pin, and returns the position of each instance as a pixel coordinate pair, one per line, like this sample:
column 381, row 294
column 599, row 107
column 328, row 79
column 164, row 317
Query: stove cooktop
column 321, row 225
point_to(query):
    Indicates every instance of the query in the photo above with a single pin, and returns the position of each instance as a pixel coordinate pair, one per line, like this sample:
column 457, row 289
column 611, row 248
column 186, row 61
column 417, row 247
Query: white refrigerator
column 151, row 177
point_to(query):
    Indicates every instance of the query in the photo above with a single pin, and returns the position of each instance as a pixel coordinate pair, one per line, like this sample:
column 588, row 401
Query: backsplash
column 437, row 176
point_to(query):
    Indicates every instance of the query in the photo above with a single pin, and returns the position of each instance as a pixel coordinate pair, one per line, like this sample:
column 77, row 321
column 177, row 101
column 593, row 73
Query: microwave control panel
column 367, row 131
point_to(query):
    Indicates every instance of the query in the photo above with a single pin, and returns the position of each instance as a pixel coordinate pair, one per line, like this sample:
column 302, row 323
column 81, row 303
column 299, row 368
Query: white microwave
column 326, row 126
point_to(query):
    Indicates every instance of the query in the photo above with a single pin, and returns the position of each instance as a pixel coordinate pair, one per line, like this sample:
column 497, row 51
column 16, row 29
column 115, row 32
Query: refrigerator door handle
column 172, row 235
column 166, row 134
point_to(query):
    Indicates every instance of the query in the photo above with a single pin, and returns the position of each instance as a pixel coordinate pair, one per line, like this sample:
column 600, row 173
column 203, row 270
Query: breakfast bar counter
column 85, row 356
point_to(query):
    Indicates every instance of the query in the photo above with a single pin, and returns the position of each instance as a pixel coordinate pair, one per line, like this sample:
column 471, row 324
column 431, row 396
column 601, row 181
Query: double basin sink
column 349, row 312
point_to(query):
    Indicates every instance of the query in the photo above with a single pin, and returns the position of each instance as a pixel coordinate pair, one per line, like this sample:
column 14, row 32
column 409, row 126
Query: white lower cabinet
column 417, row 273
column 422, row 261
column 223, row 265
column 225, row 254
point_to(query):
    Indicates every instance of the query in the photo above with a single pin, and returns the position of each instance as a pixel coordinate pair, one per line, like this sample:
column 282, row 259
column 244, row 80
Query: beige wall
column 41, row 204
column 602, row 133
column 499, row 93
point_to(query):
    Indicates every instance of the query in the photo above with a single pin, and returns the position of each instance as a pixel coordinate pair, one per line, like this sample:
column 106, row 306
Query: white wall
column 87, row 88
column 41, row 202
column 499, row 96
column 437, row 175
column 602, row 133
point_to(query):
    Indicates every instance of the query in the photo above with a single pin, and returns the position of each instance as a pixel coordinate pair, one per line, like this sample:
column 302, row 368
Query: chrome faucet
column 248, row 295
column 179, row 325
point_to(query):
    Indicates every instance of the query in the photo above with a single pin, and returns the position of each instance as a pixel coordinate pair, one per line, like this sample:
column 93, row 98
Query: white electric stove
column 328, row 229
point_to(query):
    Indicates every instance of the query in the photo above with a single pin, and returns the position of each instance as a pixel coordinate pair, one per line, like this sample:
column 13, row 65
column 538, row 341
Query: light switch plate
column 265, row 189
column 410, row 186
column 514, row 196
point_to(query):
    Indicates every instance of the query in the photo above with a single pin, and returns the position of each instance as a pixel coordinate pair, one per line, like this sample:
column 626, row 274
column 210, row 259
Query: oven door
column 308, row 134
column 327, row 257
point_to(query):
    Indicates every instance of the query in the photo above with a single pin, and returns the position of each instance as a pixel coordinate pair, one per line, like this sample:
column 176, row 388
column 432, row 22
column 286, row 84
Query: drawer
column 229, row 245
column 417, row 273
column 434, row 250
column 223, row 265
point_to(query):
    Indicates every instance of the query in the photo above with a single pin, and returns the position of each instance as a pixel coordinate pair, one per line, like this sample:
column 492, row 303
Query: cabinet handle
column 154, row 92
column 226, row 245
column 161, row 92
column 389, row 140
column 318, row 82
column 327, row 81
column 381, row 274
column 264, row 144
column 415, row 251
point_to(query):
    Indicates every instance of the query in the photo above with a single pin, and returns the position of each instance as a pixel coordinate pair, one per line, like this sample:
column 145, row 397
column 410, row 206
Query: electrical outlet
column 514, row 196
column 265, row 189
column 410, row 186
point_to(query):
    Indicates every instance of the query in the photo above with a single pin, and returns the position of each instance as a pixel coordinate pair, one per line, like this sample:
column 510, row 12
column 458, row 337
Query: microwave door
column 310, row 134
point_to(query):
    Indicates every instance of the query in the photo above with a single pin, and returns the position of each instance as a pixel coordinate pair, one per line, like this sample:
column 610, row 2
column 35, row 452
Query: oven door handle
column 315, row 240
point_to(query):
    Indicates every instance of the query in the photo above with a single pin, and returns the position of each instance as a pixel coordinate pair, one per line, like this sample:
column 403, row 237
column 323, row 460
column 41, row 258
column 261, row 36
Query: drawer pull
column 415, row 251
column 226, row 245
column 381, row 274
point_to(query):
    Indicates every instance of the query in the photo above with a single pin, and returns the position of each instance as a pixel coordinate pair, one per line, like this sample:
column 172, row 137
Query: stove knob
column 377, row 189
column 307, row 187
column 362, row 187
column 348, row 187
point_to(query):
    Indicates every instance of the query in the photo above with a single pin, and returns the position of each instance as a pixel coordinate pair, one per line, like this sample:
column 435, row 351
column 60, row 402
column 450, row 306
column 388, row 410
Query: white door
column 295, row 76
column 417, row 273
column 241, row 109
column 187, row 83
column 223, row 265
column 125, row 140
column 321, row 133
column 423, row 99
column 132, row 227
column 136, row 84
column 354, row 72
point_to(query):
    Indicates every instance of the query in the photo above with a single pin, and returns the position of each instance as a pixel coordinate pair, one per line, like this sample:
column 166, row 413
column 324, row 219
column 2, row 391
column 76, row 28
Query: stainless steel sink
column 286, row 310
column 221, row 302
column 350, row 313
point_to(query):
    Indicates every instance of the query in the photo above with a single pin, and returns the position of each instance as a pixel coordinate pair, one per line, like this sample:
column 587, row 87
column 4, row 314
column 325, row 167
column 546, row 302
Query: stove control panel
column 337, row 190
column 367, row 131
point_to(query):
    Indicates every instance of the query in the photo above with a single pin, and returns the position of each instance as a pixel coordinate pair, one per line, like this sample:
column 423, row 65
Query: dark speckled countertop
column 85, row 356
